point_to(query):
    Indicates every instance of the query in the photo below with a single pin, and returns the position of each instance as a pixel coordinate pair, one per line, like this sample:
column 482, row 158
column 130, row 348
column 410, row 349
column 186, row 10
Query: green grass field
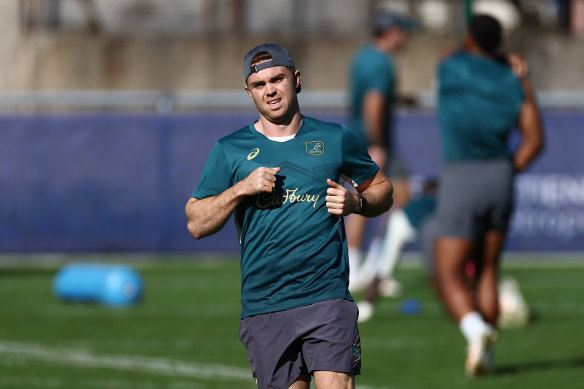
column 184, row 333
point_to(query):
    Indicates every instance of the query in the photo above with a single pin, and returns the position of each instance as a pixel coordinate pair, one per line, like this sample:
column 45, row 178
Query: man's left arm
column 531, row 129
column 375, row 196
column 529, row 122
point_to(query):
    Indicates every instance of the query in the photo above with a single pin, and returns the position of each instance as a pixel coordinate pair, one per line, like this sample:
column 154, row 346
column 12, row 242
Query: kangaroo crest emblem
column 315, row 147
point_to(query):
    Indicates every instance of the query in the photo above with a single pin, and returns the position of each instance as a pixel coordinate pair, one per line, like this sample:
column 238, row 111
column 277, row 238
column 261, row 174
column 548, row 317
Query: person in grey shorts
column 475, row 196
column 280, row 179
column 305, row 339
column 482, row 96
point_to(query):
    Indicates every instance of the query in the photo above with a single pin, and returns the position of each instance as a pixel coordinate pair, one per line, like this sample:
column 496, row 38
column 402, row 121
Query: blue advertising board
column 119, row 182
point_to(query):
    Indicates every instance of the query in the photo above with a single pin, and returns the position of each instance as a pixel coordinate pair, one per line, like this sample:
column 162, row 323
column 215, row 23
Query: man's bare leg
column 450, row 255
column 333, row 380
column 487, row 293
column 302, row 382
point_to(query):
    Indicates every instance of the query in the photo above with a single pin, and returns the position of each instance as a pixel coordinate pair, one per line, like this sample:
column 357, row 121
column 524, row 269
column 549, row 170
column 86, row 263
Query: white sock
column 370, row 261
column 355, row 258
column 472, row 326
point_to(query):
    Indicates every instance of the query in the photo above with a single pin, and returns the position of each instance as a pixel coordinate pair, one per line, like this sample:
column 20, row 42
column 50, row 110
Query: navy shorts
column 283, row 345
column 474, row 197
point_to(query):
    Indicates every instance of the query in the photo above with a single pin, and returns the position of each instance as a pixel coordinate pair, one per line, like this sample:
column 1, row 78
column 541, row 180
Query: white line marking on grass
column 55, row 382
column 86, row 358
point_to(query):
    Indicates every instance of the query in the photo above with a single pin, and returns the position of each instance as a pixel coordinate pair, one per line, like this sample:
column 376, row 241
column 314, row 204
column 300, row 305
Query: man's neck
column 470, row 46
column 384, row 45
column 285, row 128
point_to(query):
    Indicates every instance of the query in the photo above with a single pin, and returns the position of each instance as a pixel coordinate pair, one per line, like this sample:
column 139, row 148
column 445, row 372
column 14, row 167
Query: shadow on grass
column 540, row 365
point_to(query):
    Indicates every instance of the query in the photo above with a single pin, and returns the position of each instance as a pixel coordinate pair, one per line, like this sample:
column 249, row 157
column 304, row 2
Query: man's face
column 401, row 37
column 395, row 38
column 273, row 90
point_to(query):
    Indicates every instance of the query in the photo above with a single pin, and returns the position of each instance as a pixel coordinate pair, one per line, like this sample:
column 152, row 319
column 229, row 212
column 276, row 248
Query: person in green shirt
column 373, row 96
column 281, row 178
column 482, row 96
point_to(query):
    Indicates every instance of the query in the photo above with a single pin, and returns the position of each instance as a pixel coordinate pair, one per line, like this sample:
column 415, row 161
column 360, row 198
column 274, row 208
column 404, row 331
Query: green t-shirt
column 370, row 70
column 479, row 101
column 293, row 252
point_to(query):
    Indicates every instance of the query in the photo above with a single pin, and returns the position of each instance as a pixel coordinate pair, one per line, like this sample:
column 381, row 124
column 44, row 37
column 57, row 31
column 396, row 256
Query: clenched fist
column 339, row 200
column 261, row 180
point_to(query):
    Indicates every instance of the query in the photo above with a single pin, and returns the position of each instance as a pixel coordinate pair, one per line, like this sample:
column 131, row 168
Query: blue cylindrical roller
column 115, row 285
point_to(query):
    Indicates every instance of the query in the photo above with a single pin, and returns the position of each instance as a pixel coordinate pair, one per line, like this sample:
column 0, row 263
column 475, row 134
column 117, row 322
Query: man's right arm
column 208, row 215
column 375, row 117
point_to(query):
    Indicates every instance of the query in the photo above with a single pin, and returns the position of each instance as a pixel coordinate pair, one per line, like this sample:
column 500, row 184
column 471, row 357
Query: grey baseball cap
column 387, row 19
column 280, row 57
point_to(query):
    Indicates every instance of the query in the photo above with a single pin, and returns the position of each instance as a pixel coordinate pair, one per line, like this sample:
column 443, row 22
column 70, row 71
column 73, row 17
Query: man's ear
column 297, row 78
column 247, row 90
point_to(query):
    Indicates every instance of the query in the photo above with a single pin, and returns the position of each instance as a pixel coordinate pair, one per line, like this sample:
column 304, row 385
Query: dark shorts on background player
column 282, row 345
column 475, row 196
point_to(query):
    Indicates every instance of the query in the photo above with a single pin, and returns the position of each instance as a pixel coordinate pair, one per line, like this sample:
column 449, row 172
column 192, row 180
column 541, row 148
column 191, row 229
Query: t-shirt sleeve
column 357, row 163
column 379, row 78
column 216, row 177
column 448, row 75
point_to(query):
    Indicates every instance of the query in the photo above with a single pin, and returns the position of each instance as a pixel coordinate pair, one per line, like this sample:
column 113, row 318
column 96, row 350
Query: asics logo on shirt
column 254, row 153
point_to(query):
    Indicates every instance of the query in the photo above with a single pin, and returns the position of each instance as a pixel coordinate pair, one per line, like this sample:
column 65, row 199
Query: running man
column 281, row 178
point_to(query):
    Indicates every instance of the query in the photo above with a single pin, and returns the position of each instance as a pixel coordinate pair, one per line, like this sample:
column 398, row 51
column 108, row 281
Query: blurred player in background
column 276, row 176
column 372, row 81
column 416, row 223
column 480, row 99
column 406, row 225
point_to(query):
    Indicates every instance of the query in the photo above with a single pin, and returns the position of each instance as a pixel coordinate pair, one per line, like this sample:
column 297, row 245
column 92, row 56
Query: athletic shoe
column 365, row 311
column 389, row 288
column 513, row 310
column 480, row 354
